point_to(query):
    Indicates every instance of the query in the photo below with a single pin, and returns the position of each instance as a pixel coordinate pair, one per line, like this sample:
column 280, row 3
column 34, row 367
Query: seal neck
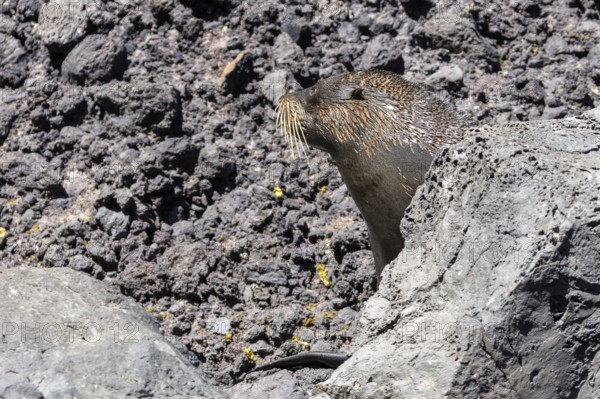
column 382, row 185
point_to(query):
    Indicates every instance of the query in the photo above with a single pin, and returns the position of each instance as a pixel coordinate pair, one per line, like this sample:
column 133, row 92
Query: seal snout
column 288, row 116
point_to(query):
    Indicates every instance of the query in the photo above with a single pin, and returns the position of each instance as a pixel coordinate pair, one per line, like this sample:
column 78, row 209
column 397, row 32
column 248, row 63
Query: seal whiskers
column 287, row 120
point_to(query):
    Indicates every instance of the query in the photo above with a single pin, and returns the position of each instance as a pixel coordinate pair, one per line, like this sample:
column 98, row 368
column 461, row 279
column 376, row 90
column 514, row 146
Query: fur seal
column 382, row 131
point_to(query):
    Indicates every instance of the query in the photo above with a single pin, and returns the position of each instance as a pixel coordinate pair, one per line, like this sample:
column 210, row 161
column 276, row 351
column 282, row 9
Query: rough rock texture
column 62, row 23
column 97, row 58
column 12, row 62
column 67, row 335
column 497, row 293
column 277, row 385
column 157, row 174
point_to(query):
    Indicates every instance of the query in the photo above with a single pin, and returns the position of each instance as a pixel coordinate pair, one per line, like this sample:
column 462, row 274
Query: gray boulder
column 63, row 23
column 13, row 63
column 383, row 52
column 97, row 58
column 281, row 384
column 30, row 171
column 141, row 103
column 66, row 335
column 497, row 292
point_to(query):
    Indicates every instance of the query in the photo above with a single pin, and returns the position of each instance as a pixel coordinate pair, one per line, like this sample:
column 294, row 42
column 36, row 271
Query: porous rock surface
column 68, row 335
column 497, row 292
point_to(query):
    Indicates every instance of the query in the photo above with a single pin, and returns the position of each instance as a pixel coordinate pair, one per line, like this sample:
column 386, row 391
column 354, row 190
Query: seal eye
column 357, row 94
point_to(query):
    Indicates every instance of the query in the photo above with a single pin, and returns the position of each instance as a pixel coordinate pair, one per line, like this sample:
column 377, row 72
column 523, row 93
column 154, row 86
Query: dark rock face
column 383, row 52
column 30, row 171
column 497, row 293
column 61, row 23
column 13, row 62
column 66, row 334
column 141, row 104
column 129, row 149
column 97, row 58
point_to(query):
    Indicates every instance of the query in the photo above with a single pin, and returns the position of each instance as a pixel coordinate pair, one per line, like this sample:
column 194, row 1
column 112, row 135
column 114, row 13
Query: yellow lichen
column 323, row 189
column 250, row 355
column 229, row 337
column 304, row 344
column 324, row 274
column 3, row 232
column 278, row 192
column 331, row 315
column 163, row 315
column 149, row 309
column 310, row 306
column 309, row 322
